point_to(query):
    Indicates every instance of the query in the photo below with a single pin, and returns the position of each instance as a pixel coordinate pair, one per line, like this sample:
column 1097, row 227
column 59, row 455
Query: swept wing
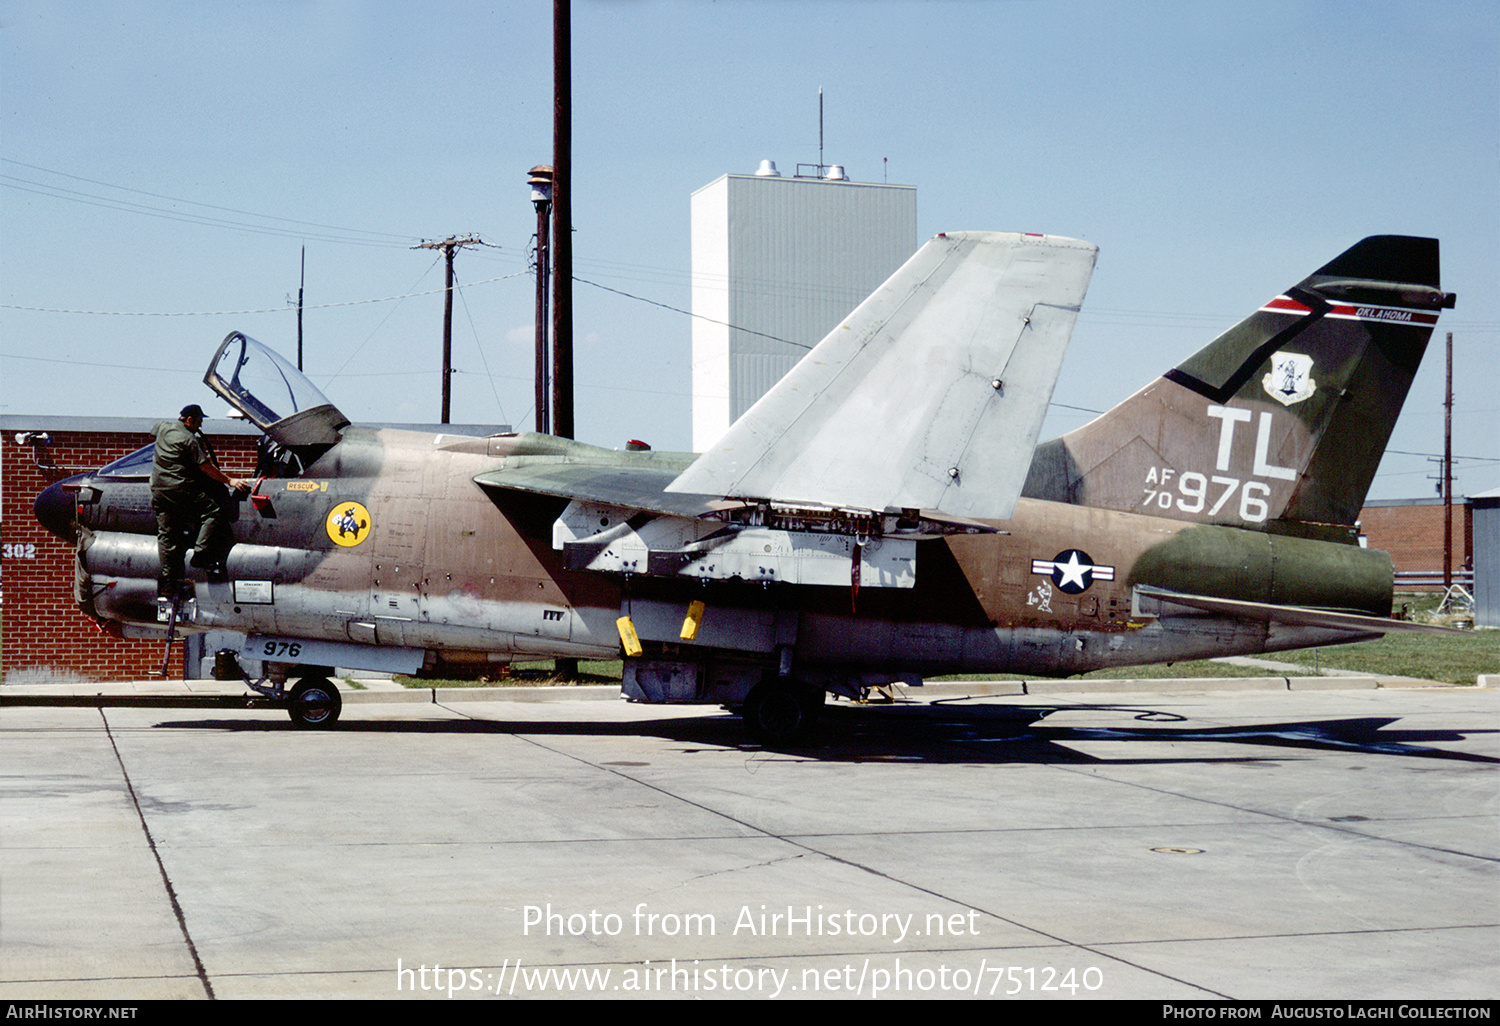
column 929, row 396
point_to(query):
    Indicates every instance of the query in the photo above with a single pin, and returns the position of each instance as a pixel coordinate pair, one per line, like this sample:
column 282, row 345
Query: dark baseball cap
column 191, row 410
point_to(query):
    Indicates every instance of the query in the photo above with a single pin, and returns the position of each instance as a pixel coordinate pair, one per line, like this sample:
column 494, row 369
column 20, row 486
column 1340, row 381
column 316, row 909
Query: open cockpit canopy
column 274, row 395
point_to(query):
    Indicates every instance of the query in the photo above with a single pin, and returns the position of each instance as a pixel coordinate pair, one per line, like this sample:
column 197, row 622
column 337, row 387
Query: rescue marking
column 307, row 486
column 1072, row 570
column 348, row 524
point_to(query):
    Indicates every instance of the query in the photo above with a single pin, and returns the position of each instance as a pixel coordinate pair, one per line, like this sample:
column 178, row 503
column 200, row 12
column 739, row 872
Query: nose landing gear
column 314, row 703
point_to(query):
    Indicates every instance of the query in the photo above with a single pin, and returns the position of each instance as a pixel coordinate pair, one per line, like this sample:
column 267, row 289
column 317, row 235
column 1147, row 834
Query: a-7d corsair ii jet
column 883, row 513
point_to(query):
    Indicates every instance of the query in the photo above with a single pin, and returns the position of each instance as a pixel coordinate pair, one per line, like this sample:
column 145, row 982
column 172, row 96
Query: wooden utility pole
column 562, row 238
column 448, row 246
column 562, row 219
column 1448, row 476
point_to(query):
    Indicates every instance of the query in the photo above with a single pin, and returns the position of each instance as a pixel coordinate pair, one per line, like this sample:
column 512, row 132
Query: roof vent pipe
column 767, row 169
column 835, row 173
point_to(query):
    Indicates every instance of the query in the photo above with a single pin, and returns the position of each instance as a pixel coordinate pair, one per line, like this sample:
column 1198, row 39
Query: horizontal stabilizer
column 1299, row 616
column 931, row 393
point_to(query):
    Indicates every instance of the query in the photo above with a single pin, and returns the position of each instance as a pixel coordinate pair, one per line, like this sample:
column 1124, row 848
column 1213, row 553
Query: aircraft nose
column 54, row 507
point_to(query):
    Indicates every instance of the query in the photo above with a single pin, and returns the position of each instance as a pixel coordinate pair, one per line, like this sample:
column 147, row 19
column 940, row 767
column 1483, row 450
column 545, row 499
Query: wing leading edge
column 929, row 396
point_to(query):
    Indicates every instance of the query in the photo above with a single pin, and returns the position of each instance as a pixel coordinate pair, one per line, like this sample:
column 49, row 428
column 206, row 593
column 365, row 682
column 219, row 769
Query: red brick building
column 1411, row 530
column 43, row 630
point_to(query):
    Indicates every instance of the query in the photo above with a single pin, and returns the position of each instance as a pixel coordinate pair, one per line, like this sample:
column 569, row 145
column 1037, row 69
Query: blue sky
column 171, row 159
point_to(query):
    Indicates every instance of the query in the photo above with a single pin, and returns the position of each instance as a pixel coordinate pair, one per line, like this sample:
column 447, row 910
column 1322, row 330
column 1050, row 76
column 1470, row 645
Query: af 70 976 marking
column 1193, row 493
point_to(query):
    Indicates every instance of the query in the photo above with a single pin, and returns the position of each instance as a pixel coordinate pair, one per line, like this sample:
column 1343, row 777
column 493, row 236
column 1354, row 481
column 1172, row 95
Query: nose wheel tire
column 315, row 703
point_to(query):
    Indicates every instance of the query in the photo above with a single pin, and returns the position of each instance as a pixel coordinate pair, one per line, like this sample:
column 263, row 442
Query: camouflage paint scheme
column 1212, row 513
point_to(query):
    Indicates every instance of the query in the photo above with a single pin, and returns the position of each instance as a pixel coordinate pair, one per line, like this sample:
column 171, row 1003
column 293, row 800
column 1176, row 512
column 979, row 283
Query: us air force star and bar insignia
column 1072, row 570
column 348, row 524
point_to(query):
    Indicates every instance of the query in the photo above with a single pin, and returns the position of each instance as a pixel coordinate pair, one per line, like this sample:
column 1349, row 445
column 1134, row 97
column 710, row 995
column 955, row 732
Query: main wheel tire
column 779, row 712
column 315, row 703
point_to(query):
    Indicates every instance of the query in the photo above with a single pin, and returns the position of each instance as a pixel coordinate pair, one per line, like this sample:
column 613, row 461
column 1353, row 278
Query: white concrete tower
column 777, row 263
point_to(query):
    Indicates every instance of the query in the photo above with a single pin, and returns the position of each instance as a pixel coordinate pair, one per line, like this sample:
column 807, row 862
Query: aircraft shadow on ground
column 945, row 732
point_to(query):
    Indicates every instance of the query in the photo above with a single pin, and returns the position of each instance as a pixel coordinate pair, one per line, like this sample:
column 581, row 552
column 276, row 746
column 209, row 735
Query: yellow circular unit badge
column 348, row 524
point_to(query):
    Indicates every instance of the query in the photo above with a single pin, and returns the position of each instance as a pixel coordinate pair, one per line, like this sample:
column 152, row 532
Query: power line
column 701, row 317
column 241, row 313
column 479, row 347
column 347, row 236
column 1438, row 456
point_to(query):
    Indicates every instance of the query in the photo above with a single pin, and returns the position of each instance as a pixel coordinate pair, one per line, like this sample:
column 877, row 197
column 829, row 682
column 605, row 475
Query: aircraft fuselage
column 387, row 541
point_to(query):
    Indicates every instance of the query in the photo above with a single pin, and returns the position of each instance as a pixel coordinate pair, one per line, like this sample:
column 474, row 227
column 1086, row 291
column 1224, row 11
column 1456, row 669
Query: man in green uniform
column 187, row 494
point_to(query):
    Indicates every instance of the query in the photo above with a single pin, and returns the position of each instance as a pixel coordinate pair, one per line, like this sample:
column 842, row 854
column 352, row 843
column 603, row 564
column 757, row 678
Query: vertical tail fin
column 1283, row 418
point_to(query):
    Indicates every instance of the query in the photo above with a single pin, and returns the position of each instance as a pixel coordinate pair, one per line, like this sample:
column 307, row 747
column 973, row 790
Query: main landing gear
column 778, row 711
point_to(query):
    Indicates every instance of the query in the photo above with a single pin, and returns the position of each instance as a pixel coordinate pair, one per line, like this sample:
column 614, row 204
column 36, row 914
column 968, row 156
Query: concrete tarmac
column 1164, row 841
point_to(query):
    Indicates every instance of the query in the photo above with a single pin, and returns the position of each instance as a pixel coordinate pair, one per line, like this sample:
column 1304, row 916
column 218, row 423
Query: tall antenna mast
column 820, row 131
column 301, row 285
